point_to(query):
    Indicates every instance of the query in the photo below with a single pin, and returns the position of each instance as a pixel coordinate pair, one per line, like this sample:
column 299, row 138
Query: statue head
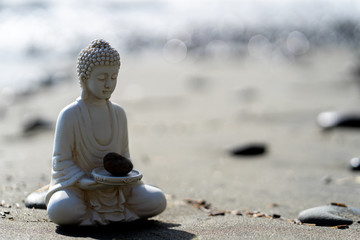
column 97, row 55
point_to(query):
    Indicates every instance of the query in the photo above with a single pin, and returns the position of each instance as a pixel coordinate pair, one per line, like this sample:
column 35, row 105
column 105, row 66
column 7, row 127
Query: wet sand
column 183, row 118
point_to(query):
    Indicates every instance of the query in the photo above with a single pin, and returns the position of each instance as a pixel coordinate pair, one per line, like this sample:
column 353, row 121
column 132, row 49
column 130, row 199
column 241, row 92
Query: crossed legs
column 68, row 206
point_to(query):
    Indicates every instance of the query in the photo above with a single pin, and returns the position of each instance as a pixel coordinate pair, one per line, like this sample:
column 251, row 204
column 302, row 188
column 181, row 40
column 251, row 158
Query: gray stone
column 330, row 215
column 329, row 120
column 355, row 164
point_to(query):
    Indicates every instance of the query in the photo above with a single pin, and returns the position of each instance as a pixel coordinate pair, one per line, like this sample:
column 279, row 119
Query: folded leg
column 67, row 207
column 146, row 201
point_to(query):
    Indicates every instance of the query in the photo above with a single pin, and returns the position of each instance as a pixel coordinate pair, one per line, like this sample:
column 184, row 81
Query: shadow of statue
column 140, row 229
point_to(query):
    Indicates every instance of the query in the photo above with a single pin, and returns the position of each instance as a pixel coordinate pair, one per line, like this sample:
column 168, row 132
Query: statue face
column 102, row 82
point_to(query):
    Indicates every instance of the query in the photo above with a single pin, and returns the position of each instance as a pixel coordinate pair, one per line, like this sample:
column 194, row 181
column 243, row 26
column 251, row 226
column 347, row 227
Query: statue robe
column 77, row 153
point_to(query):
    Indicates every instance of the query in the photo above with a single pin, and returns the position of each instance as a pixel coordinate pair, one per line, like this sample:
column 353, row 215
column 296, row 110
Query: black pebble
column 252, row 149
column 350, row 122
column 116, row 164
column 36, row 124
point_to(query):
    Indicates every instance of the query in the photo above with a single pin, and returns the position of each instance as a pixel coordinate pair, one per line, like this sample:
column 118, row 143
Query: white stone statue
column 86, row 131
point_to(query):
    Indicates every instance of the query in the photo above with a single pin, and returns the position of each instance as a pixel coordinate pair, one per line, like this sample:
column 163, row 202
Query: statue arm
column 64, row 170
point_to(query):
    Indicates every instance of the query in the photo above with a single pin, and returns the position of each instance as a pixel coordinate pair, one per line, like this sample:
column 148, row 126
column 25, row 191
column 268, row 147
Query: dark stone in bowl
column 117, row 165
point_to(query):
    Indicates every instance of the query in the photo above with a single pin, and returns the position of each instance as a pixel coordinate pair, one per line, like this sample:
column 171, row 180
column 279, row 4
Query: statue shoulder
column 69, row 112
column 118, row 109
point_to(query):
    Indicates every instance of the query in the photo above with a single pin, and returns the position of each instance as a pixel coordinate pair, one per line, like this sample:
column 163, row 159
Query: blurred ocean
column 39, row 38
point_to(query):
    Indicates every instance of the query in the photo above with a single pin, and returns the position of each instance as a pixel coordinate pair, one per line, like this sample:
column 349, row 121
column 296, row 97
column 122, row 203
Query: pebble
column 251, row 149
column 330, row 215
column 273, row 205
column 236, row 212
column 326, row 179
column 35, row 124
column 328, row 120
column 116, row 164
column 217, row 213
column 355, row 164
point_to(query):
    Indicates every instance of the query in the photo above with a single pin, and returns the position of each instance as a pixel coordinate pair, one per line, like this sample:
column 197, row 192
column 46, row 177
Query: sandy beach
column 183, row 118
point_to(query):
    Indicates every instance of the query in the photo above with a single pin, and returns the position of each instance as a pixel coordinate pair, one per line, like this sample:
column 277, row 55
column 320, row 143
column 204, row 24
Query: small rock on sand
column 251, row 149
column 330, row 215
column 355, row 164
column 329, row 120
column 36, row 124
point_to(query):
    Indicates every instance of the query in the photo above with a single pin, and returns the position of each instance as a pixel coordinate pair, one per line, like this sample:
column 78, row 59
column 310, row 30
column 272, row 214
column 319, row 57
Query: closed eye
column 101, row 77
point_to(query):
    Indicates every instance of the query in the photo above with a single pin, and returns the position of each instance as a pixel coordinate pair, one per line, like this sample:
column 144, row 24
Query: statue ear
column 82, row 78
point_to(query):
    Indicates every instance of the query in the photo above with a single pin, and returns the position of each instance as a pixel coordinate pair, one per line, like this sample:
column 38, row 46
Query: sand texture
column 183, row 119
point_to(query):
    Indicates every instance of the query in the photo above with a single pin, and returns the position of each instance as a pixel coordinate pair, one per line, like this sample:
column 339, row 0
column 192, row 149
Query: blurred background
column 37, row 31
column 198, row 78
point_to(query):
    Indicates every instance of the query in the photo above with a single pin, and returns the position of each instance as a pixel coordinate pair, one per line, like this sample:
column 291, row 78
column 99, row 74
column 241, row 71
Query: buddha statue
column 86, row 131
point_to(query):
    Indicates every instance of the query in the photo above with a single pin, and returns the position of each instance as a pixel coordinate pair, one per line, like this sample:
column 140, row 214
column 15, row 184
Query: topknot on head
column 98, row 52
column 99, row 43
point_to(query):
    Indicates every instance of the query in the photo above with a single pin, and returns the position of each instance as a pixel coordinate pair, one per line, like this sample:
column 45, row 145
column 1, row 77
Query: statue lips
column 117, row 165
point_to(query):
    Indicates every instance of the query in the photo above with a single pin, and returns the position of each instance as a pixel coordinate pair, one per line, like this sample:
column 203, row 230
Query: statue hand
column 87, row 183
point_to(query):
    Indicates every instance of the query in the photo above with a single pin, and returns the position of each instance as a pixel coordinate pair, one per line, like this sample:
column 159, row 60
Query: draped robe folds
column 77, row 153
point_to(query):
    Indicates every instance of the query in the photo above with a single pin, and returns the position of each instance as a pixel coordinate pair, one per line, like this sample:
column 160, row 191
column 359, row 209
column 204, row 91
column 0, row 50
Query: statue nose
column 108, row 83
